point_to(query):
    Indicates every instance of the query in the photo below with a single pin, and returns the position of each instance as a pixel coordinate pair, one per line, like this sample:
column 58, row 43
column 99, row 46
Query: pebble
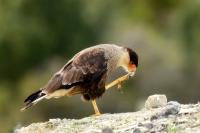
column 107, row 130
column 156, row 101
column 136, row 130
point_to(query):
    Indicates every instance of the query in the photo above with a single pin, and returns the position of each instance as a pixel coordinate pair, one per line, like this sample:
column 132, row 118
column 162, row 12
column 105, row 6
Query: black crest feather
column 133, row 56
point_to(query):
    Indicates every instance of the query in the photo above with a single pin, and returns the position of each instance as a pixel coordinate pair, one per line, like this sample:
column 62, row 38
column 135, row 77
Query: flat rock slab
column 173, row 117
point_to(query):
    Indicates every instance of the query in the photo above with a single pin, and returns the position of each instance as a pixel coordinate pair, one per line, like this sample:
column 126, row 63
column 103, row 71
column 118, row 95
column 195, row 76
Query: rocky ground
column 158, row 116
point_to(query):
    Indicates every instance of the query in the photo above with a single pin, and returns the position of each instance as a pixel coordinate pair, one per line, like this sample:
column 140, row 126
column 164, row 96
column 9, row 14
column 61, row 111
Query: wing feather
column 84, row 65
column 79, row 69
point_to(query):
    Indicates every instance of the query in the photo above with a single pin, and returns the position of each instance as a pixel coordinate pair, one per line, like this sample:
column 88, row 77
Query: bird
column 86, row 74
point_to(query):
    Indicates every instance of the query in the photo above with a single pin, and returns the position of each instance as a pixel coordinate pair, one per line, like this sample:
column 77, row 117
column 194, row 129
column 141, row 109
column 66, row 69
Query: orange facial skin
column 131, row 67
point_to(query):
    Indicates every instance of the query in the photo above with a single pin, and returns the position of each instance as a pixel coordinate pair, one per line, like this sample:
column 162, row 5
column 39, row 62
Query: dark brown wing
column 83, row 67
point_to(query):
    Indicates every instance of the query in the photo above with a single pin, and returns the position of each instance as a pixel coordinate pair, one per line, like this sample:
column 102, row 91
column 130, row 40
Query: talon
column 119, row 85
column 96, row 114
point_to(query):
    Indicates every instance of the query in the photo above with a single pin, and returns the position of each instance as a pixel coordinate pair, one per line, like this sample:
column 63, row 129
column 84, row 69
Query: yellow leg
column 118, row 81
column 96, row 110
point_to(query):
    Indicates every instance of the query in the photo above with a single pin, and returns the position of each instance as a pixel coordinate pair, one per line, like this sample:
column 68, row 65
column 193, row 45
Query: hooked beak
column 132, row 70
column 132, row 74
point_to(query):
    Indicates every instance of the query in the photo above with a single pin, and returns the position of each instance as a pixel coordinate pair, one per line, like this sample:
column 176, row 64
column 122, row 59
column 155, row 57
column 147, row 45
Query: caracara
column 86, row 74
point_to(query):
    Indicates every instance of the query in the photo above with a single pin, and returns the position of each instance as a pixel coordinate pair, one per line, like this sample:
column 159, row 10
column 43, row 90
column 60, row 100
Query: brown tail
column 33, row 99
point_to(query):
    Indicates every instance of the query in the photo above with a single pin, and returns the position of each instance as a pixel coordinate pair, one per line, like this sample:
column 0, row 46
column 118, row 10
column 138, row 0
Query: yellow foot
column 96, row 114
column 119, row 85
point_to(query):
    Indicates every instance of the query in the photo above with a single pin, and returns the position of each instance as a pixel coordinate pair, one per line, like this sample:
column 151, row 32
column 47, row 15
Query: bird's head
column 133, row 61
column 129, row 60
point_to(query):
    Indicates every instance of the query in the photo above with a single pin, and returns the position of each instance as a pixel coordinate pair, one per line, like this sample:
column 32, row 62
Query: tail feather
column 33, row 99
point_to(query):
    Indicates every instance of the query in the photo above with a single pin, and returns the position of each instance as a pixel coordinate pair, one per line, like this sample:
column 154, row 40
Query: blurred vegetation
column 37, row 37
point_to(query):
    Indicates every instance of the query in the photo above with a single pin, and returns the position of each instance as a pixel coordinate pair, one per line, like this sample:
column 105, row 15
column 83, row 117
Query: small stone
column 136, row 130
column 107, row 130
column 148, row 125
column 172, row 108
column 155, row 101
column 154, row 117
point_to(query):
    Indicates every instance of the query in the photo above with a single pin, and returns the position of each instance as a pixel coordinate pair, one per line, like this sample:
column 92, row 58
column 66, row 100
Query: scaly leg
column 118, row 81
column 96, row 110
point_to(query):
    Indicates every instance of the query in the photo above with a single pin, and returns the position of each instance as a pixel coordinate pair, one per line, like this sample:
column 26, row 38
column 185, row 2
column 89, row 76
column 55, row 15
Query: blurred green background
column 37, row 37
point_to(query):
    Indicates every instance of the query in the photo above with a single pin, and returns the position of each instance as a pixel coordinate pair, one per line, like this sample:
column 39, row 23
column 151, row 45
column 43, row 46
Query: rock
column 173, row 117
column 148, row 125
column 136, row 130
column 172, row 108
column 155, row 101
column 107, row 130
